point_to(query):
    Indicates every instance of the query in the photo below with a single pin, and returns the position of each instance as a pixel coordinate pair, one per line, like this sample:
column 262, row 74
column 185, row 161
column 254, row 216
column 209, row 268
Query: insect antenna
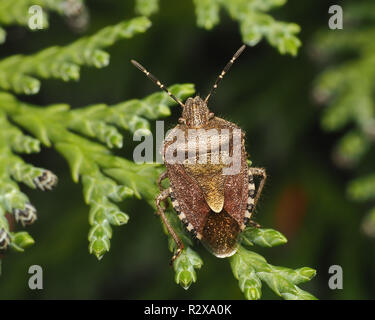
column 225, row 70
column 156, row 81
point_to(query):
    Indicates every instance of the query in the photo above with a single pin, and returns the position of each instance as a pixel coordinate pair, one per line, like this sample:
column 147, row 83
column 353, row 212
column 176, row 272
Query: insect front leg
column 162, row 177
column 252, row 197
column 163, row 196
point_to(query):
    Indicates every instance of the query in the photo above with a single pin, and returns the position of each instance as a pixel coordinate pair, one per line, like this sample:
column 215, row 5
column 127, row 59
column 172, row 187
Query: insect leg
column 260, row 172
column 161, row 211
column 252, row 197
column 162, row 177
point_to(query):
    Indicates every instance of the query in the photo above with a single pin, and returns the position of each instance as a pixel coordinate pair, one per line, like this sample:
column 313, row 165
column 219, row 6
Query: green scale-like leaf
column 347, row 90
column 250, row 269
column 254, row 20
column 106, row 178
column 17, row 72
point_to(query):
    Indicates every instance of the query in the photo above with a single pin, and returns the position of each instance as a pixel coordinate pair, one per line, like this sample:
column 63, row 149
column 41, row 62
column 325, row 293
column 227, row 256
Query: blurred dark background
column 267, row 94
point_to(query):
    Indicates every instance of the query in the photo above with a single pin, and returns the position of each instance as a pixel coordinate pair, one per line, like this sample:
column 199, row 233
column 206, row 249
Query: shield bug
column 214, row 206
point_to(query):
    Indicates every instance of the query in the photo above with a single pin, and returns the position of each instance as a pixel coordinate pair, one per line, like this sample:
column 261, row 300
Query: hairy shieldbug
column 214, row 207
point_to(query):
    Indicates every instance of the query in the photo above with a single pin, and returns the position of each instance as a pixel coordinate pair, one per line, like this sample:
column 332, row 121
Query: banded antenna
column 156, row 81
column 225, row 70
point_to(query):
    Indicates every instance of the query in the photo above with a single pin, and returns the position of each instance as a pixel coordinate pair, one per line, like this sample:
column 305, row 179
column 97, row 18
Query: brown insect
column 214, row 207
